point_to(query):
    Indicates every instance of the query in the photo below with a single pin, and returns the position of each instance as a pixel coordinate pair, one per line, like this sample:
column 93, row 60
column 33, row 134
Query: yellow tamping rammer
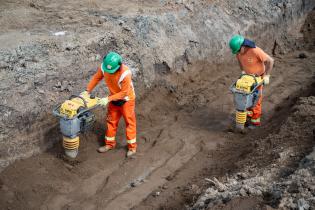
column 75, row 117
column 246, row 95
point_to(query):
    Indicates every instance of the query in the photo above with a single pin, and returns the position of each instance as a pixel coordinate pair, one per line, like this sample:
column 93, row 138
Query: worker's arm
column 239, row 63
column 266, row 59
column 243, row 72
column 98, row 76
column 268, row 65
column 126, row 87
column 268, row 62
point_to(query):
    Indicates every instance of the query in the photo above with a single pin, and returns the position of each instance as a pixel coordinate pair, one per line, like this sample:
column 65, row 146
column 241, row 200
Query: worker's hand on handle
column 103, row 101
column 267, row 79
column 85, row 93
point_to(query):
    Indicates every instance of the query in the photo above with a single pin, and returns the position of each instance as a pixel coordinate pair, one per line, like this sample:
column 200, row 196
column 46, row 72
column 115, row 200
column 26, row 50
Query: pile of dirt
column 271, row 171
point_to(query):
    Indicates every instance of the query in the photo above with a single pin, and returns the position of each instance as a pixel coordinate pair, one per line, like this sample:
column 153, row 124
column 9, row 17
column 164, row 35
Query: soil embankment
column 184, row 105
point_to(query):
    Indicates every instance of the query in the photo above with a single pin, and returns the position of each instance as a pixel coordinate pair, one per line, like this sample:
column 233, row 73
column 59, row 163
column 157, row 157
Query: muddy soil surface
column 183, row 138
column 182, row 132
column 254, row 151
column 275, row 154
column 49, row 50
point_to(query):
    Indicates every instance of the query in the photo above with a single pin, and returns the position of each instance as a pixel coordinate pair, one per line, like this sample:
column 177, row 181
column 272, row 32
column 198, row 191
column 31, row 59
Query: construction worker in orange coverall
column 252, row 60
column 117, row 77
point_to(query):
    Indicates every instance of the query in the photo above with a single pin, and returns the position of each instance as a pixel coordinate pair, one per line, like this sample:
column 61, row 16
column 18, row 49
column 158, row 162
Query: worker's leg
column 128, row 112
column 255, row 119
column 112, row 120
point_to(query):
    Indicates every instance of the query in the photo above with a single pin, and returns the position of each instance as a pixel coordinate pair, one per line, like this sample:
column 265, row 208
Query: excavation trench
column 175, row 125
column 182, row 122
column 169, row 136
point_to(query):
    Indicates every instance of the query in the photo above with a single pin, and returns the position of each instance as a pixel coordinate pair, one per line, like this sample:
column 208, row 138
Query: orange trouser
column 114, row 114
column 254, row 113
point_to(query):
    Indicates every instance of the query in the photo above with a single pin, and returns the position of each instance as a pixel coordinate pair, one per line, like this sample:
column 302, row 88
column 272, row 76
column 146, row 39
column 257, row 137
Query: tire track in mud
column 148, row 175
column 89, row 187
column 125, row 201
column 187, row 147
column 190, row 141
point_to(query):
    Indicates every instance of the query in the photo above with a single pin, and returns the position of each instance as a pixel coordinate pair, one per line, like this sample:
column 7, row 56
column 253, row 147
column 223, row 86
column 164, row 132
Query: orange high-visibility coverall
column 252, row 62
column 121, row 88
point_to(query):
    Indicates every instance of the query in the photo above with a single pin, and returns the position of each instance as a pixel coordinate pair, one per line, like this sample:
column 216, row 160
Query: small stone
column 136, row 183
column 133, row 184
column 241, row 175
column 58, row 85
column 3, row 65
column 156, row 194
column 303, row 204
column 221, row 187
column 253, row 191
column 226, row 197
column 169, row 178
column 243, row 192
column 41, row 91
column 303, row 55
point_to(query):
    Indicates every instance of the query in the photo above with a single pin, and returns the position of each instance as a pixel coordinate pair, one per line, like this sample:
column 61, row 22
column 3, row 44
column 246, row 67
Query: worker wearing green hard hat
column 236, row 43
column 254, row 61
column 121, row 100
column 111, row 62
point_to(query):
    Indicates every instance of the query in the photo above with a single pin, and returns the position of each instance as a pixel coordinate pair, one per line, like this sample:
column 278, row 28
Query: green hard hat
column 236, row 43
column 111, row 62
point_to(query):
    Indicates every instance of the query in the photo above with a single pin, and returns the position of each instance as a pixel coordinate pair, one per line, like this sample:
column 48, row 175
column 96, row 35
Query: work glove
column 85, row 93
column 103, row 101
column 266, row 79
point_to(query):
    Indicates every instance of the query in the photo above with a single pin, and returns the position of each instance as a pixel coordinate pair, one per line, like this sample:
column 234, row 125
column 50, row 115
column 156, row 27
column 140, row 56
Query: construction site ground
column 185, row 138
column 178, row 148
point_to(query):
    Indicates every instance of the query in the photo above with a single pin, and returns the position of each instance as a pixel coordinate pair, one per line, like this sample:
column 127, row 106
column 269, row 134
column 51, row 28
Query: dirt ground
column 183, row 137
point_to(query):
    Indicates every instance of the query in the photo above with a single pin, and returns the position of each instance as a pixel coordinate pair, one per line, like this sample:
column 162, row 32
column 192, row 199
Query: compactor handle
column 56, row 112
column 232, row 87
column 80, row 97
column 252, row 75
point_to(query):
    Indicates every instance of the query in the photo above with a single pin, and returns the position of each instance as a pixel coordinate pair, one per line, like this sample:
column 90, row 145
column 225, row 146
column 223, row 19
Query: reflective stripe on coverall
column 254, row 113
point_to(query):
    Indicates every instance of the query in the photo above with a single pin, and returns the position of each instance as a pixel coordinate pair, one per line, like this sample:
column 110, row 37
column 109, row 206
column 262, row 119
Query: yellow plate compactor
column 246, row 95
column 75, row 117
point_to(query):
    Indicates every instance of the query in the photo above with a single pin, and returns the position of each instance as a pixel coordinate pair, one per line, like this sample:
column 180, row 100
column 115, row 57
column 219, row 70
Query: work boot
column 131, row 153
column 253, row 127
column 104, row 149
